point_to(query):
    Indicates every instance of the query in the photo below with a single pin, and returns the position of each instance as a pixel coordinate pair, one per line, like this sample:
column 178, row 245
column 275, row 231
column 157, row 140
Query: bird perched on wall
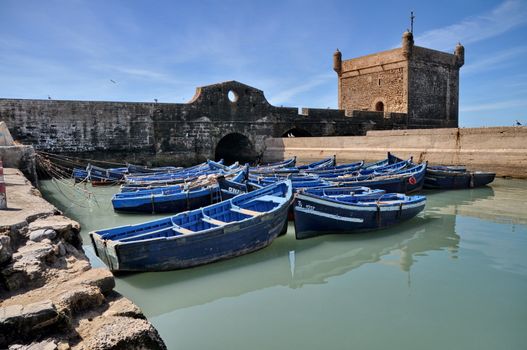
column 518, row 123
column 49, row 97
column 113, row 81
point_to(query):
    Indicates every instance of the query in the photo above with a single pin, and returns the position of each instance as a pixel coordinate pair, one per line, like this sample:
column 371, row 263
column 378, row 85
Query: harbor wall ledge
column 50, row 296
column 502, row 150
column 20, row 157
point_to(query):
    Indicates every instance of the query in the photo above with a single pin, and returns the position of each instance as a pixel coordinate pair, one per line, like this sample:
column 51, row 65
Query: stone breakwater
column 50, row 296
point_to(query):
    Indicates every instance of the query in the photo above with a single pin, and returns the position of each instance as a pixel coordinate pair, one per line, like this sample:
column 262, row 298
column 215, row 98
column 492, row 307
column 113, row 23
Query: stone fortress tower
column 420, row 82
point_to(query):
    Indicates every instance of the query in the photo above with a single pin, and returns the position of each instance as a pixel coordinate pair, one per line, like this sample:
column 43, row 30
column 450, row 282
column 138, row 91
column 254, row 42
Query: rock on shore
column 50, row 296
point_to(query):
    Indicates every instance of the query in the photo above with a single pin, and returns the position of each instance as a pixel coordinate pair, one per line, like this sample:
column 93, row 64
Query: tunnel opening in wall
column 235, row 147
column 296, row 132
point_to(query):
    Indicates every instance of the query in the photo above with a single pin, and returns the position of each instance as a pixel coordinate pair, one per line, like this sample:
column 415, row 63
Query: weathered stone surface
column 100, row 278
column 24, row 202
column 50, row 298
column 421, row 82
column 21, row 322
column 123, row 307
column 43, row 345
column 209, row 126
column 21, row 157
column 5, row 136
column 39, row 235
column 118, row 333
column 5, row 248
column 28, row 265
column 65, row 227
column 79, row 298
column 60, row 249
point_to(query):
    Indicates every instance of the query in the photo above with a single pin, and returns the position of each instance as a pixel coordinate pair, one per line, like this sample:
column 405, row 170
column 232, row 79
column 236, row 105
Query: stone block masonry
column 502, row 150
column 209, row 126
column 418, row 81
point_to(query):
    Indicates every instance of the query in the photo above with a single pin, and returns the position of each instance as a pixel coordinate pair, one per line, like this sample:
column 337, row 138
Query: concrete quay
column 50, row 296
column 502, row 150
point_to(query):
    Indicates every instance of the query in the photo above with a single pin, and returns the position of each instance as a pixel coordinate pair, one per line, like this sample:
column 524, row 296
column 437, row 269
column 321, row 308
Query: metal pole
column 3, row 196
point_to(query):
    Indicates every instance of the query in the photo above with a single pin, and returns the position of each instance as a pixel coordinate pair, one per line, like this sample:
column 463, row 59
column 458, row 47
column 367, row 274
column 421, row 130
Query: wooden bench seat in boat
column 182, row 230
column 214, row 221
column 246, row 211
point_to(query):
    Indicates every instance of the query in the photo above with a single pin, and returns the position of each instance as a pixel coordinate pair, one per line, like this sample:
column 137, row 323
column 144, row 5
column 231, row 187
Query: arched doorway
column 235, row 147
column 296, row 132
column 379, row 106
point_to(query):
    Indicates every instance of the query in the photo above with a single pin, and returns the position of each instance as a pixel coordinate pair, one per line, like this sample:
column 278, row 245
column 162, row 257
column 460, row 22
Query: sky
column 144, row 50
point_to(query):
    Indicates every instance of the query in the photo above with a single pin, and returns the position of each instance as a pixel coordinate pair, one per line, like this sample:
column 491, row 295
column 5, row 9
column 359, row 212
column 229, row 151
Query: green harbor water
column 455, row 277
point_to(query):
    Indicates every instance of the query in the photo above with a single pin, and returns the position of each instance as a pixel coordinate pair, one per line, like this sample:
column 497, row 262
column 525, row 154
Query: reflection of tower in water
column 440, row 235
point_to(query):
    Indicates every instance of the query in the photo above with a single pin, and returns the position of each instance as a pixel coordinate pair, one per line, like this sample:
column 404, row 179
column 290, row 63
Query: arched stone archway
column 296, row 132
column 235, row 147
column 379, row 106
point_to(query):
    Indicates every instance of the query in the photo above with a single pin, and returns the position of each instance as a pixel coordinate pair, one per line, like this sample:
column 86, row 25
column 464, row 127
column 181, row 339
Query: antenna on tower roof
column 412, row 22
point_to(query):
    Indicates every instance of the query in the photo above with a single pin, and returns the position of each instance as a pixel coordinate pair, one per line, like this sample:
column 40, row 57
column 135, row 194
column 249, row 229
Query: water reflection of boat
column 497, row 205
column 315, row 261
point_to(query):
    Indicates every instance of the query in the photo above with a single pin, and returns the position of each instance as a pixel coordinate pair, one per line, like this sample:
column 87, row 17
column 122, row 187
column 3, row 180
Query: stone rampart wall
column 500, row 149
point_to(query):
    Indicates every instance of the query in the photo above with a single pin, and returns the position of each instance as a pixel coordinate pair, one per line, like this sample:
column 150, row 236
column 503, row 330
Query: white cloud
column 509, row 15
column 285, row 96
column 494, row 60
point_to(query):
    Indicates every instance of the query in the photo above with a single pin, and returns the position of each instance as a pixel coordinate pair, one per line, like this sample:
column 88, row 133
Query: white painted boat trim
column 330, row 216
column 347, row 206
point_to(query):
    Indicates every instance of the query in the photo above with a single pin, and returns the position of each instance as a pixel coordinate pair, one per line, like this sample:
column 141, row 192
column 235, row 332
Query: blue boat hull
column 166, row 254
column 225, row 230
column 318, row 217
column 482, row 178
column 447, row 180
column 167, row 204
column 452, row 180
column 402, row 184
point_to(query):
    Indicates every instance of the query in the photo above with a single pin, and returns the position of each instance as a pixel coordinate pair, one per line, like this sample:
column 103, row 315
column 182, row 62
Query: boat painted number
column 310, row 207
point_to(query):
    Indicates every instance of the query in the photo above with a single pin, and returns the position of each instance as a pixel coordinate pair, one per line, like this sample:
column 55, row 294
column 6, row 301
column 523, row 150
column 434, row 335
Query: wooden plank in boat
column 183, row 230
column 214, row 221
column 247, row 211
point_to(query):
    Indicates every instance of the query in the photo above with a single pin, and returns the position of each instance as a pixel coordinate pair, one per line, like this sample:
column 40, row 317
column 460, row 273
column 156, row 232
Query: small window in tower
column 379, row 106
column 379, row 82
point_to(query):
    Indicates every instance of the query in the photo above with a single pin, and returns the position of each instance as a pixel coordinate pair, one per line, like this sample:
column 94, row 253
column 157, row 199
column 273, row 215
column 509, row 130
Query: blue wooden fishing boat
column 451, row 177
column 287, row 163
column 318, row 214
column 230, row 188
column 342, row 175
column 224, row 230
column 172, row 199
column 297, row 184
column 348, row 167
column 80, row 175
column 380, row 163
column 344, row 191
column 456, row 179
column 168, row 178
column 141, row 169
column 403, row 181
column 318, row 165
column 321, row 164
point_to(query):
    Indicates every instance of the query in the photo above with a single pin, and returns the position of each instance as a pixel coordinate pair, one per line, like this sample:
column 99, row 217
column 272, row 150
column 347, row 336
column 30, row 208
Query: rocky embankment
column 50, row 296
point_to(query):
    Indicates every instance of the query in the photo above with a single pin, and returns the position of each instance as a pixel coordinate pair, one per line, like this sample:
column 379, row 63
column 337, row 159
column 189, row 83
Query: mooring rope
column 59, row 156
column 62, row 175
